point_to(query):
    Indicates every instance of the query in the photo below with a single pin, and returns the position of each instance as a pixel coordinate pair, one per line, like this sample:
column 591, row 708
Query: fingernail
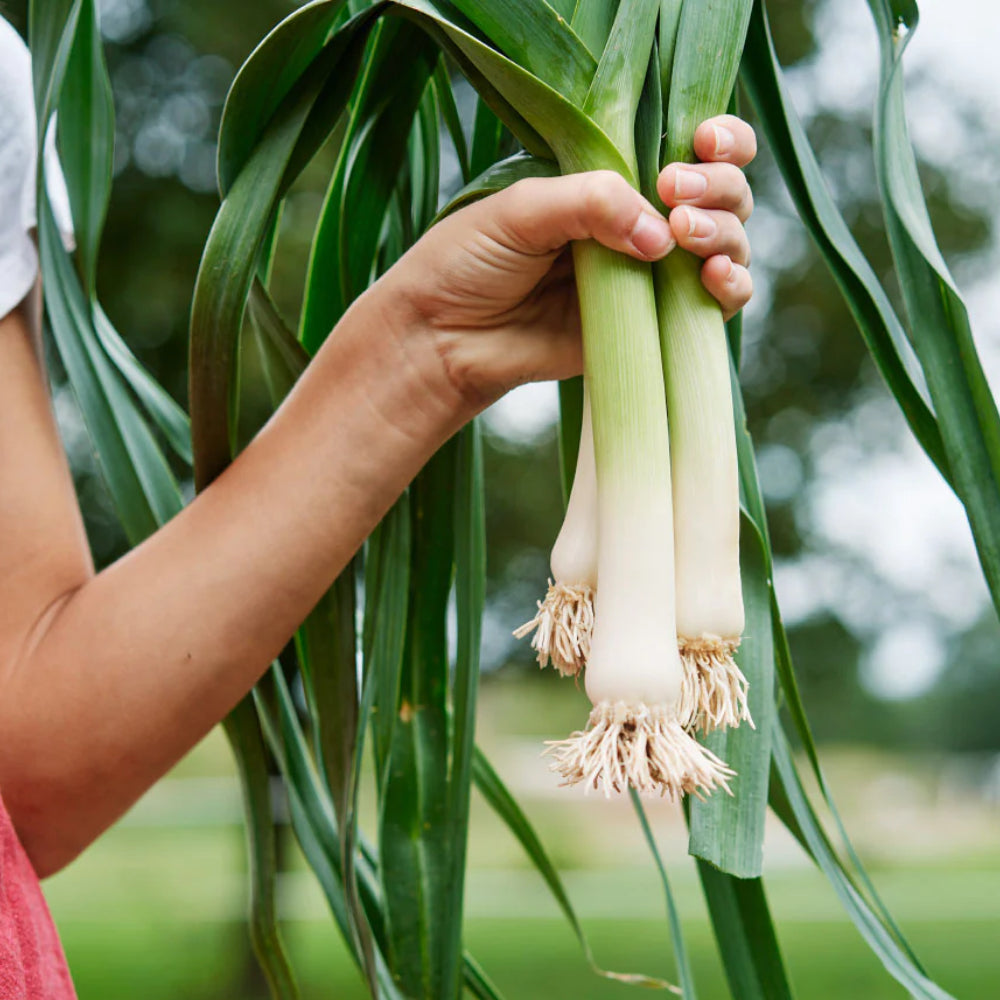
column 651, row 235
column 689, row 184
column 724, row 140
column 731, row 273
column 699, row 225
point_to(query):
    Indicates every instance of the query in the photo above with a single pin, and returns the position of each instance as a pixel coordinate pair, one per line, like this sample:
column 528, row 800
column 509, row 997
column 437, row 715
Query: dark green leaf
column 415, row 838
column 570, row 426
column 86, row 132
column 684, row 973
column 346, row 243
column 139, row 480
column 470, row 598
column 246, row 739
column 451, row 118
column 534, row 35
column 745, row 935
column 238, row 234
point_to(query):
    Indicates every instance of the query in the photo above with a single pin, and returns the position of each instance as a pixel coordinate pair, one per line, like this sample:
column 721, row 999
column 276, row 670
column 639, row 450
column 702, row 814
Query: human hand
column 501, row 266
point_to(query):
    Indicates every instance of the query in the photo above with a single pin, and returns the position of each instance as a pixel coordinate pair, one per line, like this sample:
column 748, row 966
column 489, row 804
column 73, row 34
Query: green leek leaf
column 938, row 320
column 873, row 313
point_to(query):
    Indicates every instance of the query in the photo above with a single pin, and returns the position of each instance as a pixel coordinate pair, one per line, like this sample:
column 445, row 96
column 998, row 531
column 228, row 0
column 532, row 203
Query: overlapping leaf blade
column 938, row 320
column 864, row 296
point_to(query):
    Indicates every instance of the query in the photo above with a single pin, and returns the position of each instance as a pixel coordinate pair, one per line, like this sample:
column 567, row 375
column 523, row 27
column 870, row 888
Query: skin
column 107, row 679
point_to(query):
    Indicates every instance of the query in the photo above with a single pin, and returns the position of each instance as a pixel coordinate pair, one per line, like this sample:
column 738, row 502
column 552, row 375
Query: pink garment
column 32, row 964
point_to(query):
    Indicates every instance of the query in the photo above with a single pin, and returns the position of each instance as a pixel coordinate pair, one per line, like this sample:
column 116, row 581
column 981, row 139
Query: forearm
column 126, row 672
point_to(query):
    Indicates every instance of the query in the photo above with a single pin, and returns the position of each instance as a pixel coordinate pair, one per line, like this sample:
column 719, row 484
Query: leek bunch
column 646, row 591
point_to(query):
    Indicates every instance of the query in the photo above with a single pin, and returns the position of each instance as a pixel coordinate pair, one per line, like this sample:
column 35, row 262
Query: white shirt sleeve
column 18, row 155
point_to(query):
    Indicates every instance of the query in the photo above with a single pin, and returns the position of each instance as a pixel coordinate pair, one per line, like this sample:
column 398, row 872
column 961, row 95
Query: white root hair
column 562, row 628
column 715, row 690
column 639, row 746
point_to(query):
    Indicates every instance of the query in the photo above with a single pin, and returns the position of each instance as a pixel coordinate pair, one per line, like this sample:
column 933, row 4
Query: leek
column 564, row 621
column 705, row 494
column 636, row 733
column 702, row 65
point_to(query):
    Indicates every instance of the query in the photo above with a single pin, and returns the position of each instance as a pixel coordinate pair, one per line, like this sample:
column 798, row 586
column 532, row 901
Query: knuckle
column 733, row 181
column 524, row 192
column 603, row 195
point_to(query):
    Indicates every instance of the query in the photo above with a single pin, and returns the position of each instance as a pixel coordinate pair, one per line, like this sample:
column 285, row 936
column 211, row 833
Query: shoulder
column 17, row 114
column 18, row 261
column 17, row 107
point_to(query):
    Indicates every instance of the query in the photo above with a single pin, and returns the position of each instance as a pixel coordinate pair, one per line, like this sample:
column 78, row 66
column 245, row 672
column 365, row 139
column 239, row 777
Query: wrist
column 400, row 371
column 434, row 372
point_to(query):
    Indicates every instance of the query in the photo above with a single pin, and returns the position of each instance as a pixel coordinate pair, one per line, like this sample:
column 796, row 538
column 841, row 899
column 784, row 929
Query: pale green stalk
column 705, row 474
column 701, row 65
column 564, row 620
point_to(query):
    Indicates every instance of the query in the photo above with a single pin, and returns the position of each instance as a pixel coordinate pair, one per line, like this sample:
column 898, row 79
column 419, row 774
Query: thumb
column 538, row 216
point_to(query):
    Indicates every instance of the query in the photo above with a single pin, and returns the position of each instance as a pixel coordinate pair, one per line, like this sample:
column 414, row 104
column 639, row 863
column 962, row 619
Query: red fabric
column 32, row 964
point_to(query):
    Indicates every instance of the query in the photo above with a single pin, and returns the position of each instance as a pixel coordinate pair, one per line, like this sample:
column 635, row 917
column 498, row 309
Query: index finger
column 725, row 139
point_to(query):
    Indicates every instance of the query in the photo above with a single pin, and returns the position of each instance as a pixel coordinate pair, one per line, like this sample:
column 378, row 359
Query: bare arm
column 107, row 680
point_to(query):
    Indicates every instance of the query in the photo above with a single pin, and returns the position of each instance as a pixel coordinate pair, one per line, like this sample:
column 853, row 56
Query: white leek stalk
column 565, row 619
column 635, row 735
column 705, row 478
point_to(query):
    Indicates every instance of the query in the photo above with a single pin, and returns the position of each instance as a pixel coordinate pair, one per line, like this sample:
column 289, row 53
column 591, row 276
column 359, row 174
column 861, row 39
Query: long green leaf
column 577, row 141
column 272, row 71
column 938, row 320
column 414, row 845
column 613, row 97
column 896, row 958
column 229, row 261
column 534, row 35
column 728, row 831
column 864, row 296
column 347, row 236
column 470, row 599
column 245, row 737
column 592, row 20
column 503, row 803
column 451, row 119
column 86, row 128
column 684, row 973
column 705, row 61
column 86, row 136
column 745, row 935
column 139, row 480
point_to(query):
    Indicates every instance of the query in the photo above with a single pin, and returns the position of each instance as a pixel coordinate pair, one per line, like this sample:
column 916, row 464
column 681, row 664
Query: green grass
column 153, row 909
column 153, row 913
column 142, row 956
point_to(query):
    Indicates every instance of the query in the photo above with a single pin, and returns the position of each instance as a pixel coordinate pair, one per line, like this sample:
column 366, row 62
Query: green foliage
column 373, row 79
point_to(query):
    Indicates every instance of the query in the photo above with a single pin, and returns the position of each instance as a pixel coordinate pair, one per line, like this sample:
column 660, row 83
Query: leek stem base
column 715, row 690
column 562, row 628
column 644, row 747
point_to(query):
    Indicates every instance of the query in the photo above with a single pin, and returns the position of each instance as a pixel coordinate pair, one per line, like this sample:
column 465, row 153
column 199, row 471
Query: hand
column 501, row 266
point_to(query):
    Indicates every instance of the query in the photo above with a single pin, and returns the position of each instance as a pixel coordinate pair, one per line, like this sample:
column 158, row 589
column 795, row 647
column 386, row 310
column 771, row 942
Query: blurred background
column 895, row 642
